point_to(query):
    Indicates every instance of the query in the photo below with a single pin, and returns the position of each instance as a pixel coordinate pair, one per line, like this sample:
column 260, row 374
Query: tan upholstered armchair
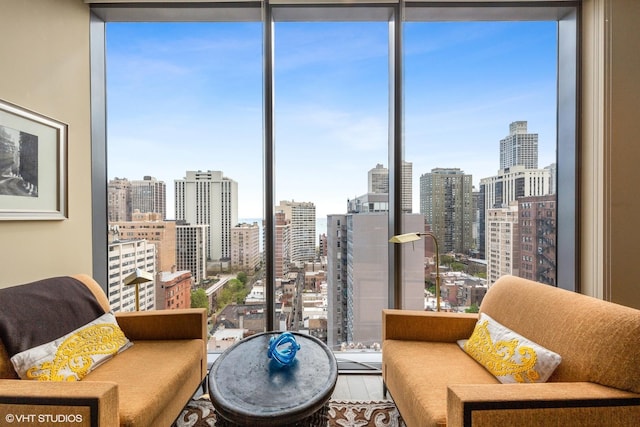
column 146, row 385
column 434, row 382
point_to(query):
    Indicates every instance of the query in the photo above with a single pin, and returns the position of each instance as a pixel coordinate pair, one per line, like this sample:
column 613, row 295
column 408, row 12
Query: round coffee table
column 249, row 389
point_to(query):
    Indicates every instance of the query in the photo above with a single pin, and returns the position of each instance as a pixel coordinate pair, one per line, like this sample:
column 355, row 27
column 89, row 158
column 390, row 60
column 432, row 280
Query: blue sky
column 189, row 97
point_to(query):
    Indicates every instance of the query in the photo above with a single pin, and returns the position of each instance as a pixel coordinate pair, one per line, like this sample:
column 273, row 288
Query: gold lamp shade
column 135, row 278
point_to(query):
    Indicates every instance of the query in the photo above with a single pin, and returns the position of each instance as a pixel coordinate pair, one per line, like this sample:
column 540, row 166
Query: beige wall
column 44, row 46
column 49, row 43
column 622, row 154
column 610, row 150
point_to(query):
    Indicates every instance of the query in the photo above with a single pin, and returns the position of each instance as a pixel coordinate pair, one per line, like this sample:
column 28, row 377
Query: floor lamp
column 412, row 237
column 135, row 278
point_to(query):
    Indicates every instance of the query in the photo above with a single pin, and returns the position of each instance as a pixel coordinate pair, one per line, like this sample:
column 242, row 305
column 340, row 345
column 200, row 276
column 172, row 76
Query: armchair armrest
column 83, row 404
column 427, row 325
column 576, row 403
column 187, row 323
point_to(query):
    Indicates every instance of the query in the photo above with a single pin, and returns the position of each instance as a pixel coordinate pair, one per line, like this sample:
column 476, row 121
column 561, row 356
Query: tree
column 242, row 276
column 234, row 291
column 446, row 259
column 199, row 299
column 235, row 285
column 458, row 266
column 473, row 309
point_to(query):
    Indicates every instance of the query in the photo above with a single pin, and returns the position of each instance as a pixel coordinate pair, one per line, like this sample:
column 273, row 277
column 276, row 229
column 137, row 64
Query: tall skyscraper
column 302, row 220
column 119, row 200
column 378, row 183
column 149, row 195
column 211, row 199
column 407, row 187
column 517, row 177
column 447, row 205
column 378, row 180
column 519, row 147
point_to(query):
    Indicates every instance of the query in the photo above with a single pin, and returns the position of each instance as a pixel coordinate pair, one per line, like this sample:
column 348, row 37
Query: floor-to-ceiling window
column 344, row 119
column 480, row 138
column 184, row 165
column 331, row 127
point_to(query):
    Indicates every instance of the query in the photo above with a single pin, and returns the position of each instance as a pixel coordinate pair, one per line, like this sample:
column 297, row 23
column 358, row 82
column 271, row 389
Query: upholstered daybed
column 145, row 384
column 434, row 382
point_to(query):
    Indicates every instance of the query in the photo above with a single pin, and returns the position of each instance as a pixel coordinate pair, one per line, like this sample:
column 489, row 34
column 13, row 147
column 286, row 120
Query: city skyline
column 189, row 97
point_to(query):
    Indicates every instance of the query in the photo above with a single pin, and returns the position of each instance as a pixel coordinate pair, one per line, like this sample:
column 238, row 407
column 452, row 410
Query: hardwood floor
column 359, row 387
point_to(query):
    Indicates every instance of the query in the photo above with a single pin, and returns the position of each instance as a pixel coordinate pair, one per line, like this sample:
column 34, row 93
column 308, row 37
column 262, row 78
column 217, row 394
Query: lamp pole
column 435, row 242
column 412, row 237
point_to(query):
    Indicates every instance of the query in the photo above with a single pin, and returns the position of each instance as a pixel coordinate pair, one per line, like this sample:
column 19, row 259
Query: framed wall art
column 33, row 165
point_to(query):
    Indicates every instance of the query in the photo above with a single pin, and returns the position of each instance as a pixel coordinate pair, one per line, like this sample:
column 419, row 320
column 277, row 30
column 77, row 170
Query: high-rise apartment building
column 406, row 198
column 538, row 231
column 482, row 220
column 302, row 220
column 209, row 198
column 322, row 246
column 378, row 180
column 513, row 183
column 519, row 147
column 357, row 275
column 336, row 280
column 447, row 205
column 149, row 195
column 378, row 183
column 509, row 185
column 517, row 177
column 503, row 245
column 245, row 247
column 119, row 200
column 124, row 257
column 478, row 205
column 191, row 249
column 282, row 243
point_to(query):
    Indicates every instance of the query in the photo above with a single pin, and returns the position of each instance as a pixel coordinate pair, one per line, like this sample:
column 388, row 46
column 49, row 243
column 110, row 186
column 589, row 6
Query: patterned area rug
column 200, row 413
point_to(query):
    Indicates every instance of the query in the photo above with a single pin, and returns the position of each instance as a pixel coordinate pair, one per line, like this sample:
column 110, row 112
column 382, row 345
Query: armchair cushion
column 510, row 357
column 73, row 356
column 39, row 312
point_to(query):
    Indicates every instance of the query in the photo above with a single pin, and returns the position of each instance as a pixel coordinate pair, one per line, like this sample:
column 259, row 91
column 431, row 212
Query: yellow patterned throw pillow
column 73, row 356
column 510, row 357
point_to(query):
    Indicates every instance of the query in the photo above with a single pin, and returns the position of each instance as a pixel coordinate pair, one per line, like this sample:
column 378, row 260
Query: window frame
column 565, row 13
